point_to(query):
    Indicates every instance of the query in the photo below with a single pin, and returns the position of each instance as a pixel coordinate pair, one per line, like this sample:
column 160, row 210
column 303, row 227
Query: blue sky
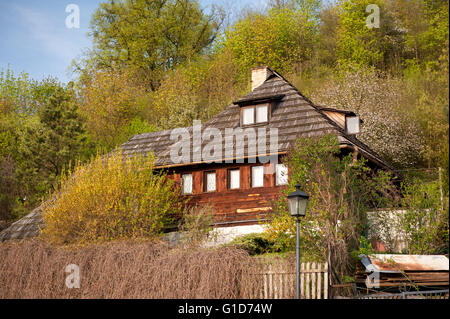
column 35, row 39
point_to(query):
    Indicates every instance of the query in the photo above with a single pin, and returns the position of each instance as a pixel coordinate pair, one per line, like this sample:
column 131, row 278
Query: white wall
column 224, row 235
column 218, row 236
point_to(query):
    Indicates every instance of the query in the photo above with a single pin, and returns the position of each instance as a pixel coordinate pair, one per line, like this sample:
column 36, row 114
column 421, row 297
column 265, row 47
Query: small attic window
column 255, row 114
column 261, row 113
column 352, row 124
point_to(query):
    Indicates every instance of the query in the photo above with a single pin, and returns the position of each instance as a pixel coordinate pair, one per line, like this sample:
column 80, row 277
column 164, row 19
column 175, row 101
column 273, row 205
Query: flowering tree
column 390, row 127
column 111, row 198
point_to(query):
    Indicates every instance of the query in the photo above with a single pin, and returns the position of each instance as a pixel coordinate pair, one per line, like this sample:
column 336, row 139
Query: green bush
column 254, row 244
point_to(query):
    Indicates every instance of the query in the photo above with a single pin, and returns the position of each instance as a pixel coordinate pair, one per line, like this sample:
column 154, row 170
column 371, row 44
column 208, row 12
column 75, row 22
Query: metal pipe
column 298, row 258
column 440, row 188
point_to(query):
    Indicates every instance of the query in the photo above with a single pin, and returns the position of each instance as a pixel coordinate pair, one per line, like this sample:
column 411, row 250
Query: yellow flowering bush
column 111, row 197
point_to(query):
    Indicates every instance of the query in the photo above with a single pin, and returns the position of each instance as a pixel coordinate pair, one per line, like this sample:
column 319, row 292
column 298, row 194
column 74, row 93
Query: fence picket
column 319, row 281
column 302, row 280
column 308, row 281
column 279, row 283
column 313, row 281
column 266, row 289
column 270, row 283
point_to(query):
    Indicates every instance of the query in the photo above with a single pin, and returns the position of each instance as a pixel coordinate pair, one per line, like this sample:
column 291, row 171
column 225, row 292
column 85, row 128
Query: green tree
column 150, row 37
column 425, row 220
column 40, row 131
column 341, row 188
column 426, row 25
column 109, row 101
column 198, row 90
column 49, row 141
column 281, row 38
column 362, row 46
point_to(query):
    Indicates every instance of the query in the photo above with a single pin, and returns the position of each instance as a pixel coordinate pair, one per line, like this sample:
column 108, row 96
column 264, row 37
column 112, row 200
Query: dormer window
column 261, row 113
column 255, row 114
column 248, row 115
column 256, row 108
column 352, row 124
column 347, row 120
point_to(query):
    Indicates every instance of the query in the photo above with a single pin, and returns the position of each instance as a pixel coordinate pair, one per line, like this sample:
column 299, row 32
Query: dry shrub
column 35, row 269
column 196, row 226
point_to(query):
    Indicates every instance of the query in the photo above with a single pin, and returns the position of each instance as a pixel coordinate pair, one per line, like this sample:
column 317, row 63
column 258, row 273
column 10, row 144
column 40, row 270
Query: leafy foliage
column 196, row 225
column 150, row 37
column 198, row 90
column 110, row 101
column 384, row 105
column 254, row 244
column 111, row 198
column 41, row 131
column 419, row 225
column 425, row 221
column 341, row 189
column 362, row 46
column 281, row 38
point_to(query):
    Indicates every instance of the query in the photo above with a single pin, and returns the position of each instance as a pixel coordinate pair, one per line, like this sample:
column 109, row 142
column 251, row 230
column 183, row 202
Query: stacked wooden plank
column 414, row 271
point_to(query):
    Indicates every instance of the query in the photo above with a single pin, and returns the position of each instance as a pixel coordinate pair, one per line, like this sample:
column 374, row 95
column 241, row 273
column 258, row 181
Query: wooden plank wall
column 237, row 206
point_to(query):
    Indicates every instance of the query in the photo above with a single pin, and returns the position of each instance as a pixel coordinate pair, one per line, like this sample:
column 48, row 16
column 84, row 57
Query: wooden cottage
column 233, row 162
column 239, row 181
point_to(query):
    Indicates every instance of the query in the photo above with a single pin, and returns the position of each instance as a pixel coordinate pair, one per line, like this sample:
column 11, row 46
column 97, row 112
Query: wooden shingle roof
column 294, row 116
column 28, row 226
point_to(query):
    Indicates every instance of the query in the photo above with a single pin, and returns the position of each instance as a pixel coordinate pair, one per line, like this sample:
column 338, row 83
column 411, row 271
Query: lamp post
column 297, row 201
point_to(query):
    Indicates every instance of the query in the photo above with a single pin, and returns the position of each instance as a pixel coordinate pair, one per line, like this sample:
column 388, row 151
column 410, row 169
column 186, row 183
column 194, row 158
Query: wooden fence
column 281, row 284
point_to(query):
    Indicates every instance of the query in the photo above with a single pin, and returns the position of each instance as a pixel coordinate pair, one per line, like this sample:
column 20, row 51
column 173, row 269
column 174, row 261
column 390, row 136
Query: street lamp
column 297, row 207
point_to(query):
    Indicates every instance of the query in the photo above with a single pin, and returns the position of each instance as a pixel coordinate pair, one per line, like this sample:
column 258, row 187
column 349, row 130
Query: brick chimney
column 259, row 75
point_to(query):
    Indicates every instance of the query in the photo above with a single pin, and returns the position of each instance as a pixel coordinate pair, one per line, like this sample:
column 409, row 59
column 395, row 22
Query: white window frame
column 255, row 109
column 253, row 176
column 259, row 107
column 183, row 181
column 252, row 120
column 206, row 174
column 238, row 179
column 278, row 171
